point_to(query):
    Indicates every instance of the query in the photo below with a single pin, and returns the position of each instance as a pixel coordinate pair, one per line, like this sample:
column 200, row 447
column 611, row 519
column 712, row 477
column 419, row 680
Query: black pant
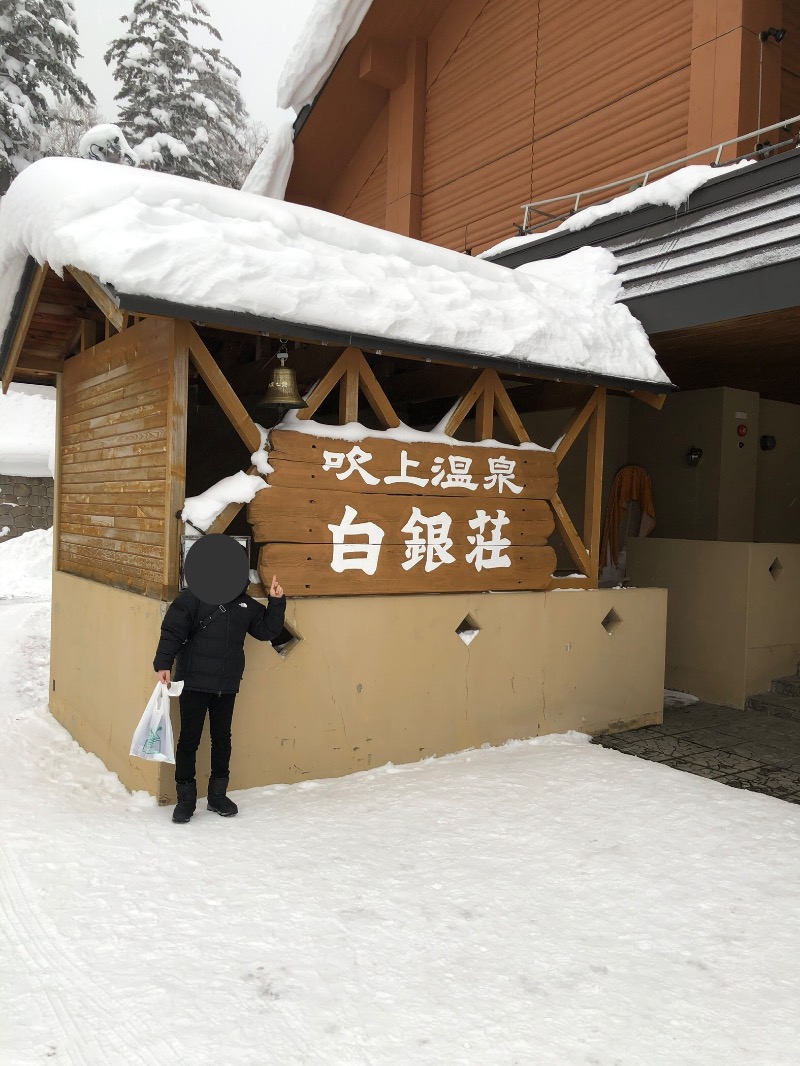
column 193, row 714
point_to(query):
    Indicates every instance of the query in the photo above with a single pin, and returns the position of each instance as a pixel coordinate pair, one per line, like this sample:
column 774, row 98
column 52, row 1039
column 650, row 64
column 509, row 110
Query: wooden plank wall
column 790, row 61
column 525, row 101
column 115, row 459
column 538, row 99
column 369, row 204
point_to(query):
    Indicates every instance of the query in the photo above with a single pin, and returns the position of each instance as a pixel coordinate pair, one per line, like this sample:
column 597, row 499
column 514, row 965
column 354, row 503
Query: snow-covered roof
column 328, row 30
column 199, row 246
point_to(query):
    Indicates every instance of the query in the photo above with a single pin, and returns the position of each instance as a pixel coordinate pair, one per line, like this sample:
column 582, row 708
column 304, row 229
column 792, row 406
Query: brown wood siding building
column 528, row 99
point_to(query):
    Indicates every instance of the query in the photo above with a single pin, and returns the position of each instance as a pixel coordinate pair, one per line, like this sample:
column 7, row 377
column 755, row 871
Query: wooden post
column 177, row 408
column 57, row 470
column 352, row 373
column 594, row 485
column 406, row 139
column 348, row 388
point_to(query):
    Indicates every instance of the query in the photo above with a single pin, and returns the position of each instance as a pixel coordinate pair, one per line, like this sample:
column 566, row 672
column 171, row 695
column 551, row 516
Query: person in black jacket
column 207, row 638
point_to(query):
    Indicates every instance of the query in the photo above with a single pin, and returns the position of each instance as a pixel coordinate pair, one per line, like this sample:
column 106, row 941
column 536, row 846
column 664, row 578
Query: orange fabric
column 630, row 483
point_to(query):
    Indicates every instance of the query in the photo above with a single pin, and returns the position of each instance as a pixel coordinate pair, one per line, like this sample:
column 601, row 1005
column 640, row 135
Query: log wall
column 118, row 458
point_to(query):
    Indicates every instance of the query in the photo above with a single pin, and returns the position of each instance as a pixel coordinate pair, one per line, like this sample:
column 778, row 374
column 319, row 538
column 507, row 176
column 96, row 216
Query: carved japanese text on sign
column 385, row 516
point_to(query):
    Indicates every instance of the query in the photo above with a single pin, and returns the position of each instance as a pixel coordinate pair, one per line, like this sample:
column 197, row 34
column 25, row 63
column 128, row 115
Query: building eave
column 138, row 304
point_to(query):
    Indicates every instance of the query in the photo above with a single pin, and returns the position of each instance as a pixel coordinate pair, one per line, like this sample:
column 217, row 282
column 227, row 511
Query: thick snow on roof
column 331, row 26
column 196, row 244
column 269, row 175
column 672, row 191
column 27, row 430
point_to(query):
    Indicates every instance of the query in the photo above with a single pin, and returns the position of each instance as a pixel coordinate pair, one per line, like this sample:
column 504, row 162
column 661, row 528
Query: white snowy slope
column 27, row 430
column 193, row 243
column 549, row 902
column 672, row 191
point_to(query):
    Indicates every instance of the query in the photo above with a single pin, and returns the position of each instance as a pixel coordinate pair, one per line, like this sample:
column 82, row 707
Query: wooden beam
column 57, row 454
column 177, row 408
column 221, row 390
column 466, row 404
column 504, row 406
column 37, row 362
column 348, row 387
column 484, row 410
column 224, row 518
column 24, row 324
column 650, row 398
column 594, row 485
column 376, row 397
column 574, row 544
column 325, row 386
column 576, row 424
column 354, row 375
column 115, row 315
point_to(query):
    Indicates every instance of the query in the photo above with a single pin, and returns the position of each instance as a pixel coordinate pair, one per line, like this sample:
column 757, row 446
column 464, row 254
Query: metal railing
column 637, row 181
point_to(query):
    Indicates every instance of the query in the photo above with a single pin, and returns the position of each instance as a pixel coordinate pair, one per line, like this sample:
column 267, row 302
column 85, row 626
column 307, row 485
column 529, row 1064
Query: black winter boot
column 187, row 801
column 217, row 800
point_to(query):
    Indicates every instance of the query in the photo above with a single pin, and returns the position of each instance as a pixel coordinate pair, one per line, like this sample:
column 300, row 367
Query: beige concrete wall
column 777, row 503
column 737, row 482
column 101, row 670
column 374, row 679
column 706, row 614
column 773, row 614
column 714, row 500
column 731, row 626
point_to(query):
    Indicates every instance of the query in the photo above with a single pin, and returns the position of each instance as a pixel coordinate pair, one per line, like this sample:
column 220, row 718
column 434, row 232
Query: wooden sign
column 388, row 516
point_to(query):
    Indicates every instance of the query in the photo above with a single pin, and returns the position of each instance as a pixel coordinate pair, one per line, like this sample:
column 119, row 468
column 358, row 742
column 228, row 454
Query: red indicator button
column 742, row 431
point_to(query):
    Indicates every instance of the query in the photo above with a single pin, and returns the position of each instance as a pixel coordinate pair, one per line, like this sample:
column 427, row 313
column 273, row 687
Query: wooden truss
column 585, row 552
column 353, row 374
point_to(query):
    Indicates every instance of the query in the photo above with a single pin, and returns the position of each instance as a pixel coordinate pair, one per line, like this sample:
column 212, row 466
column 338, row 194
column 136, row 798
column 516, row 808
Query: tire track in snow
column 45, row 948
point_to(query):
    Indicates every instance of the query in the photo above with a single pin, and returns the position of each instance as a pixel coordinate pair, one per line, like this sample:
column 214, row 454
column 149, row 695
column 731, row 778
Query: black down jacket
column 212, row 659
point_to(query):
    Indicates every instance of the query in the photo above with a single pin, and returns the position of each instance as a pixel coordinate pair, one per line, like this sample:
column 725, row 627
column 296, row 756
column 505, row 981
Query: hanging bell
column 282, row 390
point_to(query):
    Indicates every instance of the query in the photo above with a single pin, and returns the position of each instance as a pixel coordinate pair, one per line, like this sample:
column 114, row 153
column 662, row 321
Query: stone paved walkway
column 744, row 749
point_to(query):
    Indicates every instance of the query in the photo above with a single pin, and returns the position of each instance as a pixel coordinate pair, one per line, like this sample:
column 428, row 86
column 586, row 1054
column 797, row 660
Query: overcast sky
column 257, row 35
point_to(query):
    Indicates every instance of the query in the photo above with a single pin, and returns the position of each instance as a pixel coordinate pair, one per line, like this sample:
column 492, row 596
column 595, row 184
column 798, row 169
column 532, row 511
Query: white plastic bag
column 153, row 737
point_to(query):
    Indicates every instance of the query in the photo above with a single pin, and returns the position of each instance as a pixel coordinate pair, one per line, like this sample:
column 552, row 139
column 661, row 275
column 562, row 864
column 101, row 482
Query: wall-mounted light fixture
column 693, row 456
column 763, row 37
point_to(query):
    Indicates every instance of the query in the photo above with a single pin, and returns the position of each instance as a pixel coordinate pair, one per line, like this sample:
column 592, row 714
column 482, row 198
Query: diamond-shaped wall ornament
column 611, row 622
column 468, row 629
column 286, row 641
column 776, row 569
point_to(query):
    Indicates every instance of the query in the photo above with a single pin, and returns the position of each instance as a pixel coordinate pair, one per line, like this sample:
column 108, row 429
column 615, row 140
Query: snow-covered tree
column 180, row 104
column 68, row 121
column 38, row 53
column 251, row 144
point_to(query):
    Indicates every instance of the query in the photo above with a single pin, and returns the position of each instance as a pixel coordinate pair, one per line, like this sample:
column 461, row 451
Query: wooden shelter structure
column 410, row 471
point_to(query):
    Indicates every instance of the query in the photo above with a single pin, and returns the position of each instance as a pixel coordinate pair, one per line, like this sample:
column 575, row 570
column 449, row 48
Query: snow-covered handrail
column 645, row 175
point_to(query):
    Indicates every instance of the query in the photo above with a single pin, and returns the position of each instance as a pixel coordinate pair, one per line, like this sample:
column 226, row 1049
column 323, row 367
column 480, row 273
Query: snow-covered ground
column 548, row 902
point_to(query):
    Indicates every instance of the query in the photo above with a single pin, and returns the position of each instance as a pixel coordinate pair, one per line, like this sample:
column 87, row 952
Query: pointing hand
column 275, row 589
